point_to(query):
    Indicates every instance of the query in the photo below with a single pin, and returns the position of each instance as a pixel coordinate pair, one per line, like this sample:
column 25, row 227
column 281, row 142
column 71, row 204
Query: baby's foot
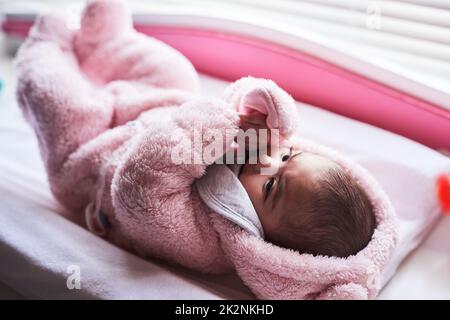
column 53, row 27
column 103, row 20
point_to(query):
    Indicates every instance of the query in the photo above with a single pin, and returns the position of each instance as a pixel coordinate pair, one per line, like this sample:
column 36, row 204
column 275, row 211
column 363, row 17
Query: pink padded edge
column 306, row 78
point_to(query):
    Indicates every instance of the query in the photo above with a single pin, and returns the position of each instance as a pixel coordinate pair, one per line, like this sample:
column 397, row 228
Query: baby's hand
column 253, row 120
column 257, row 121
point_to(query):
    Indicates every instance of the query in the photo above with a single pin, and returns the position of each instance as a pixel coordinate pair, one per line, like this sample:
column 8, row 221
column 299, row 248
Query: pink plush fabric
column 109, row 105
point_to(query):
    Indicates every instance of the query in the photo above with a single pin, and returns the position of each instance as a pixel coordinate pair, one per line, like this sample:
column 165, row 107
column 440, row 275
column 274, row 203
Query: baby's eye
column 286, row 157
column 268, row 187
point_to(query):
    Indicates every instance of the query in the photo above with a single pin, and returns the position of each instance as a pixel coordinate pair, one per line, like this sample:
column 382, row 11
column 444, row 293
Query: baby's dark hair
column 336, row 219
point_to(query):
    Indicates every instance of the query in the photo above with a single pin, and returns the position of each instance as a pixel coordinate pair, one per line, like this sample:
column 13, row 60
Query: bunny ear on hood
column 273, row 272
column 264, row 96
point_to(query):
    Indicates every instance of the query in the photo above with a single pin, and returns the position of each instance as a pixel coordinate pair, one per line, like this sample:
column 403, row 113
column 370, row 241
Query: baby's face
column 294, row 176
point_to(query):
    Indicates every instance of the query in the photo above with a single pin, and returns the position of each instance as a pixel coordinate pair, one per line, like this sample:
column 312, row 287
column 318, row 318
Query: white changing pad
column 37, row 246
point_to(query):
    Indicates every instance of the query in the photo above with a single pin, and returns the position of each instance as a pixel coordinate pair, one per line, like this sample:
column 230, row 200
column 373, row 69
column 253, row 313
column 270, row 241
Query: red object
column 443, row 192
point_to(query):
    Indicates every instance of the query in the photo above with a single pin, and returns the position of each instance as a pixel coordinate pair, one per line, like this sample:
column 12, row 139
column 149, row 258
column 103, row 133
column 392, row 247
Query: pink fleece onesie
column 109, row 105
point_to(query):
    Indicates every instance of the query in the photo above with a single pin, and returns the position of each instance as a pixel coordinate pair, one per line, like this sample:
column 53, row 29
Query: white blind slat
column 440, row 4
column 394, row 9
column 344, row 16
column 410, row 37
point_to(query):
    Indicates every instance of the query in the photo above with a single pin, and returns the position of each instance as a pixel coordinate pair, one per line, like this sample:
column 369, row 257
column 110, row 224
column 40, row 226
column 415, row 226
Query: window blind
column 411, row 37
column 408, row 37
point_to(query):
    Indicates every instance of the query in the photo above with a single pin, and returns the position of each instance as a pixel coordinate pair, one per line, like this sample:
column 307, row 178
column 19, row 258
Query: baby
column 310, row 204
column 109, row 106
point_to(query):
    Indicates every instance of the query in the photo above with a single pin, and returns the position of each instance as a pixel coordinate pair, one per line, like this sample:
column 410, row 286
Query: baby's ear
column 250, row 95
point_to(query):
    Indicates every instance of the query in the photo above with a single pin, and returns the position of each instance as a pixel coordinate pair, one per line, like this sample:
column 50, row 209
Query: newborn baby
column 311, row 204
column 110, row 106
column 301, row 200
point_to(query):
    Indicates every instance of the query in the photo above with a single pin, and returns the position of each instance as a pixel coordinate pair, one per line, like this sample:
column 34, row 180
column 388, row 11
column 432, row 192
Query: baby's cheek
column 252, row 186
column 269, row 225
